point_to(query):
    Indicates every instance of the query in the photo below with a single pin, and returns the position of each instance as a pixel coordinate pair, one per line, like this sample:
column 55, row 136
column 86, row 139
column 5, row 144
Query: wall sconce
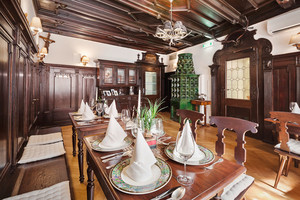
column 36, row 25
column 295, row 41
column 42, row 54
column 84, row 60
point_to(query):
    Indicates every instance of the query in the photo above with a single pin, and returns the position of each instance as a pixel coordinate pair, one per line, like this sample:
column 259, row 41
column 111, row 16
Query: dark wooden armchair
column 194, row 116
column 287, row 148
column 241, row 184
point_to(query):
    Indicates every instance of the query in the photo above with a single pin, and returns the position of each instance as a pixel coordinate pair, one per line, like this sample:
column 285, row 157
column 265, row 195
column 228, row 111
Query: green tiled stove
column 184, row 86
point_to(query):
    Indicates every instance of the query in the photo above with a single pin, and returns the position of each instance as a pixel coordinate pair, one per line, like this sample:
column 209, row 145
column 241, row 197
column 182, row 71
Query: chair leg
column 288, row 166
column 282, row 164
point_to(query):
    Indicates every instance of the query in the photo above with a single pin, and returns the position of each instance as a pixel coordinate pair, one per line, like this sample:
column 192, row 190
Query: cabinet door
column 151, row 83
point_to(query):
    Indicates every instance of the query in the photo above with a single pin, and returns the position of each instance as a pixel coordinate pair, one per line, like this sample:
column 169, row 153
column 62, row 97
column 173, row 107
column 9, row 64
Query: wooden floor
column 262, row 163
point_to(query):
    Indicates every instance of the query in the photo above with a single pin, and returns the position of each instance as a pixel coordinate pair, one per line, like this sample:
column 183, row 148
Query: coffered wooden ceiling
column 132, row 23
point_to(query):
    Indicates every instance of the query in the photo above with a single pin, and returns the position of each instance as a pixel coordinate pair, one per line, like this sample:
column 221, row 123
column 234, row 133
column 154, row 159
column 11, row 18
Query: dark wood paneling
column 64, row 87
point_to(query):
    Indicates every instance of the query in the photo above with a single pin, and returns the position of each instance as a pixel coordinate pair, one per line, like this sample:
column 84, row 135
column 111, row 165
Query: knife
column 165, row 194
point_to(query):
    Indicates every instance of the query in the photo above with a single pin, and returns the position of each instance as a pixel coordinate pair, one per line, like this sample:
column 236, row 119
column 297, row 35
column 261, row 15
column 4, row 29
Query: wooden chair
column 287, row 148
column 241, row 184
column 194, row 116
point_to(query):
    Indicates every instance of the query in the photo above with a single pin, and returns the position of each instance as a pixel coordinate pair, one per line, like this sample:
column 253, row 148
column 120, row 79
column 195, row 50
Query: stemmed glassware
column 292, row 105
column 138, row 126
column 185, row 146
column 157, row 129
column 99, row 108
column 125, row 116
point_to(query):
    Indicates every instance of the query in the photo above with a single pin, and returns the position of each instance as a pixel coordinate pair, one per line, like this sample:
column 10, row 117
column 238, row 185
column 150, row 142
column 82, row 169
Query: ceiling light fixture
column 295, row 41
column 170, row 32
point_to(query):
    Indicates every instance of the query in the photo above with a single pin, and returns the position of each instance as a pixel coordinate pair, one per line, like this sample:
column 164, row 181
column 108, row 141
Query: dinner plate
column 107, row 116
column 95, row 145
column 162, row 174
column 209, row 156
column 79, row 118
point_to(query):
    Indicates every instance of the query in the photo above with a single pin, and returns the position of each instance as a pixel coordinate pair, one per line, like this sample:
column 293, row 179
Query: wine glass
column 125, row 116
column 99, row 108
column 157, row 129
column 185, row 146
column 292, row 106
column 138, row 126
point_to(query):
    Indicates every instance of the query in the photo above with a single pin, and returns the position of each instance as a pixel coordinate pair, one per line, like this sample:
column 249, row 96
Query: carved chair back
column 194, row 116
column 284, row 118
column 240, row 127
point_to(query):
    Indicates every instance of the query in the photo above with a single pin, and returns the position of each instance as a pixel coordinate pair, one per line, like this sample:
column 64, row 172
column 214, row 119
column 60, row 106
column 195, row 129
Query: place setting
column 200, row 156
column 87, row 114
column 111, row 111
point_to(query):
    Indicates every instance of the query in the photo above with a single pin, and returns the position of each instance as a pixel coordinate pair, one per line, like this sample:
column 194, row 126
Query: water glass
column 99, row 108
column 185, row 146
column 138, row 126
column 125, row 115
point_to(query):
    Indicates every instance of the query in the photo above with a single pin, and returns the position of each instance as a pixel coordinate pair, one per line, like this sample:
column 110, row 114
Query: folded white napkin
column 142, row 161
column 88, row 113
column 112, row 110
column 185, row 141
column 114, row 136
column 82, row 107
column 296, row 108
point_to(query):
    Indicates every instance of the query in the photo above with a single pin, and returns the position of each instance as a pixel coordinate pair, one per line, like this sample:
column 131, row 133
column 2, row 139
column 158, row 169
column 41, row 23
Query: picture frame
column 116, row 93
column 108, row 93
column 104, row 93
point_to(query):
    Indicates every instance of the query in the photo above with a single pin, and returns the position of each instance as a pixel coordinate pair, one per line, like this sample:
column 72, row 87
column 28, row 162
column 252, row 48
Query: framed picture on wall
column 132, row 76
column 108, row 93
column 108, row 75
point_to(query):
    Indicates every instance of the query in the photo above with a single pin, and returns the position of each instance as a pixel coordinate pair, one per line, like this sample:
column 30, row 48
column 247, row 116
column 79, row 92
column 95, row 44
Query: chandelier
column 170, row 32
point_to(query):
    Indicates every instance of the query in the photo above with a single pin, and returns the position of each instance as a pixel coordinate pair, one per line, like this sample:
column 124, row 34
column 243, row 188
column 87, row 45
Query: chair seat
column 293, row 144
column 60, row 191
column 236, row 187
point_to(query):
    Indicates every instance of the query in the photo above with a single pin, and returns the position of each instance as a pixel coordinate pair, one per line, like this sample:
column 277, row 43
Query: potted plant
column 148, row 114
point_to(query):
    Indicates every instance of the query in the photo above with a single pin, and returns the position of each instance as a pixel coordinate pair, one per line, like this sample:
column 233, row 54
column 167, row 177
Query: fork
column 119, row 153
column 126, row 153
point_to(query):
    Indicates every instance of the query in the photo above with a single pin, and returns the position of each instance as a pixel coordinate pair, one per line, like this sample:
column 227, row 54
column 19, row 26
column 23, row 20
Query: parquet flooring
column 262, row 163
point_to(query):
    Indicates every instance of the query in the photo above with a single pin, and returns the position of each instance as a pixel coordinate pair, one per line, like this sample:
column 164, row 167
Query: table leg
column 204, row 115
column 80, row 159
column 90, row 186
column 74, row 140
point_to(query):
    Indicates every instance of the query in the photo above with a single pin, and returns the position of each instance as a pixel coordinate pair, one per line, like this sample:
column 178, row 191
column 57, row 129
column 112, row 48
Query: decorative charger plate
column 124, row 184
column 95, row 145
column 79, row 118
column 209, row 156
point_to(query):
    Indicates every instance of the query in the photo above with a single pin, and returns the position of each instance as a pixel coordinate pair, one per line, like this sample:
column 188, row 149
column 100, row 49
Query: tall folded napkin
column 82, row 107
column 185, row 141
column 112, row 110
column 88, row 113
column 114, row 136
column 142, row 161
column 296, row 109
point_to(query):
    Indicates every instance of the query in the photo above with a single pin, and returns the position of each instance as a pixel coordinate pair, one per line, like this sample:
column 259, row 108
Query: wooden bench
column 36, row 175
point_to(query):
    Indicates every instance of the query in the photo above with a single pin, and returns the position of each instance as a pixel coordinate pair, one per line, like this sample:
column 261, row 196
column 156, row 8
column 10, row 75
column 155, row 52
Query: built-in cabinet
column 18, row 86
column 121, row 81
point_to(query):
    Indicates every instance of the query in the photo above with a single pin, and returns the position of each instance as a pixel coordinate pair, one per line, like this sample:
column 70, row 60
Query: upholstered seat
column 294, row 146
column 237, row 188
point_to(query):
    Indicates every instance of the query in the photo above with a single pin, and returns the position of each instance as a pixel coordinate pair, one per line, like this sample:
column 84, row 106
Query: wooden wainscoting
column 63, row 89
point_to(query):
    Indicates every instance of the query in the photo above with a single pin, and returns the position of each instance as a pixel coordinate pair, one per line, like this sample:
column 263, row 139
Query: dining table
column 207, row 182
column 80, row 129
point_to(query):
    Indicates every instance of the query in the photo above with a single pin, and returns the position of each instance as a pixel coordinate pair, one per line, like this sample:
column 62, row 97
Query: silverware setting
column 165, row 194
column 126, row 153
column 212, row 165
column 119, row 153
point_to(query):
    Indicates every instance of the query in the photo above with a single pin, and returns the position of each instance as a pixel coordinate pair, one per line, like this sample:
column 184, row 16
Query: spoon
column 177, row 194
